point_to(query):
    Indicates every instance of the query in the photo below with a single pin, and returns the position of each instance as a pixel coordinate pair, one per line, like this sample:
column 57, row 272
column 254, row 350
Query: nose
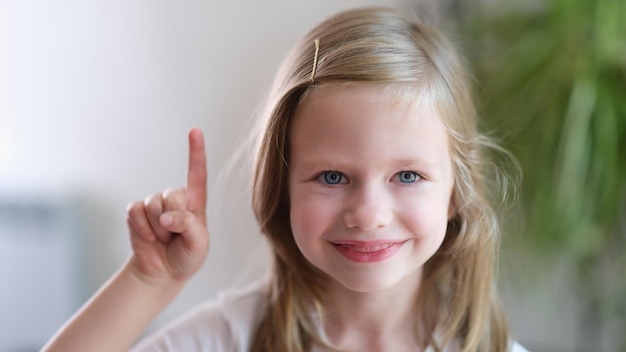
column 368, row 208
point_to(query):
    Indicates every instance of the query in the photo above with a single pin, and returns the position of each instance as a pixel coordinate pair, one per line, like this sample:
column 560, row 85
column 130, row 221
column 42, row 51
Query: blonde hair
column 380, row 47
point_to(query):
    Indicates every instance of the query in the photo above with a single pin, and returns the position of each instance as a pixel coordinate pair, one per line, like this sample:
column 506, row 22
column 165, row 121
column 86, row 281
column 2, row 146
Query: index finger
column 196, row 172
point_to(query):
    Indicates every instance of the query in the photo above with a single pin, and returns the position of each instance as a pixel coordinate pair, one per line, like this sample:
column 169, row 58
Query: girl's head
column 379, row 52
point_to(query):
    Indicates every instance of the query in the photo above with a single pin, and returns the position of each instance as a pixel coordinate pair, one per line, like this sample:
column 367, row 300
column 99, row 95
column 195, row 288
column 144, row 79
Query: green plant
column 552, row 83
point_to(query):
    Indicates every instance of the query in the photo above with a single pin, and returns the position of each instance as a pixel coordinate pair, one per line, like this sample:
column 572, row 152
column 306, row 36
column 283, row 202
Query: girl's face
column 370, row 182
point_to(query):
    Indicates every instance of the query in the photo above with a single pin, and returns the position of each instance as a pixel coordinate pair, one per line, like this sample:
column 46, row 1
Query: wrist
column 163, row 283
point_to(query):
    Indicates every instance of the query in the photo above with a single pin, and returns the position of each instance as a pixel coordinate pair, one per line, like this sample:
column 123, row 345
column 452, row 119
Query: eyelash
column 324, row 177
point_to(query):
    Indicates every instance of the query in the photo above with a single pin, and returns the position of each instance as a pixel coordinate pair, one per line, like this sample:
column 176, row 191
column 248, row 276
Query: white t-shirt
column 226, row 324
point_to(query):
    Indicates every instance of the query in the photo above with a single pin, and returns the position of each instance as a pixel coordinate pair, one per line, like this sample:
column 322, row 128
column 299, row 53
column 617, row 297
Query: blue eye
column 408, row 176
column 333, row 177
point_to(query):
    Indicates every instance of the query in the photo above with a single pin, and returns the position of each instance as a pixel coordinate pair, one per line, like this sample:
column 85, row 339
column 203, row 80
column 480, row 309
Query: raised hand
column 170, row 241
column 168, row 230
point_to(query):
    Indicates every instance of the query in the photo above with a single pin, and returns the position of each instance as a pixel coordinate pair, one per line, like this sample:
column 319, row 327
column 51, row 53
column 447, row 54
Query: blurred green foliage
column 552, row 81
column 551, row 78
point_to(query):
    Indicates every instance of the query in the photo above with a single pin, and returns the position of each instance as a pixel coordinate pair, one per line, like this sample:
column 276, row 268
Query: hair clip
column 317, row 50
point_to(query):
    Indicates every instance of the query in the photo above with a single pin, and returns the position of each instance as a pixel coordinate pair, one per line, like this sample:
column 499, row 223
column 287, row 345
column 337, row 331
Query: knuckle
column 154, row 207
column 153, row 198
column 174, row 199
column 170, row 192
column 134, row 209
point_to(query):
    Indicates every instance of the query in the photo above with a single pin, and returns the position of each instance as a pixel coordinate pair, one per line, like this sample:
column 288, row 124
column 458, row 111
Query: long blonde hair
column 380, row 47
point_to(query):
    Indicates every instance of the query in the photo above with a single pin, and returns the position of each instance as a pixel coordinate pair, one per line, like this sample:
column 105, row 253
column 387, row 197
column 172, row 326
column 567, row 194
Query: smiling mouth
column 366, row 252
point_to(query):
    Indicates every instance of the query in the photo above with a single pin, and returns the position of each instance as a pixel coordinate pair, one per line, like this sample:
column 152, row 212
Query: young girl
column 370, row 188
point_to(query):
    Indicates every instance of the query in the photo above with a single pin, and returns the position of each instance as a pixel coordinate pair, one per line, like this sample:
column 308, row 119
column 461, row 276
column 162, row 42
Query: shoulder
column 455, row 347
column 225, row 324
column 516, row 347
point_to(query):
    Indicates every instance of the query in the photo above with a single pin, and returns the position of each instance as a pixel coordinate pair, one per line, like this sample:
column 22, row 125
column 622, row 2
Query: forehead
column 357, row 121
column 356, row 104
column 410, row 95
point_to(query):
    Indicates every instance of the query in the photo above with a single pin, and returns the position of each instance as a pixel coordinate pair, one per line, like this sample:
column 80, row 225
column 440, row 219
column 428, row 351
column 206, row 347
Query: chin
column 373, row 282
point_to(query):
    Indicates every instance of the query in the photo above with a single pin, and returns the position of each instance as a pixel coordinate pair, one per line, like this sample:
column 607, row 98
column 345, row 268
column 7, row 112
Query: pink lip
column 367, row 252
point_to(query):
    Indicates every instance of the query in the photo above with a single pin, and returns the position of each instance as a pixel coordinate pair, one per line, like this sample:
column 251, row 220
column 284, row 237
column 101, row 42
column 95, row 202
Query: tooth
column 370, row 249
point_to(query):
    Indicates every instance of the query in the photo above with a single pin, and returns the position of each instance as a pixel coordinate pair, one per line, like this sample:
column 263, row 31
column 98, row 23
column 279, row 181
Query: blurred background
column 96, row 99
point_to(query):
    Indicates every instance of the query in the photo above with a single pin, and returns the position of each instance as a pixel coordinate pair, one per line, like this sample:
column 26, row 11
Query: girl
column 370, row 188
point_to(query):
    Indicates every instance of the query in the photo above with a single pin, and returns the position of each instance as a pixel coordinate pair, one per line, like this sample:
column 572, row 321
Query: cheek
column 310, row 218
column 426, row 218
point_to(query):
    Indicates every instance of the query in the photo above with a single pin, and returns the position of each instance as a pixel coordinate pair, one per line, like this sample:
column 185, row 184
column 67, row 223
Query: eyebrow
column 331, row 164
column 323, row 163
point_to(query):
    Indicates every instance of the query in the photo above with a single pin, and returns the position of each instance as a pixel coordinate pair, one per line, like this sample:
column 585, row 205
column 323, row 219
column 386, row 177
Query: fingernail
column 166, row 219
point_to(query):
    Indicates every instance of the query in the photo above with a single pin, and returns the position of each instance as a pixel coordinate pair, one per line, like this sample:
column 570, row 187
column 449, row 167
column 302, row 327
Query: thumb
column 193, row 232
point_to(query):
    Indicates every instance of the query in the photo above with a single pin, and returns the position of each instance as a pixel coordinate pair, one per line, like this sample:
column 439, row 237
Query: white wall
column 96, row 98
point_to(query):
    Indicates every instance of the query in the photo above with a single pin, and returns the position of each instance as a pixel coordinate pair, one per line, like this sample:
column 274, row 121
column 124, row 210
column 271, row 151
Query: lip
column 368, row 251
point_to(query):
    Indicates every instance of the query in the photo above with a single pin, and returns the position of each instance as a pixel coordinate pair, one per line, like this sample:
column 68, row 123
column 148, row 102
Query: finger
column 188, row 250
column 153, row 206
column 175, row 199
column 196, row 173
column 136, row 236
column 138, row 223
column 192, row 230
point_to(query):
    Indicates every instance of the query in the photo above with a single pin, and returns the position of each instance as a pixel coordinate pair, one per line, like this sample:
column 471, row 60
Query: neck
column 374, row 320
